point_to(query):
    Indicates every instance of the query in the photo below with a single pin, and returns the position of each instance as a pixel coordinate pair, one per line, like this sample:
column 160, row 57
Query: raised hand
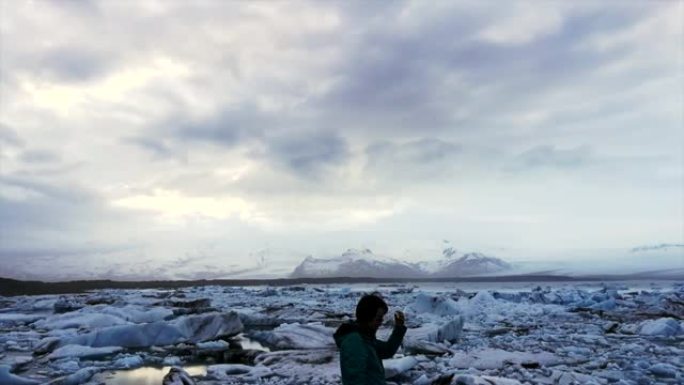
column 399, row 318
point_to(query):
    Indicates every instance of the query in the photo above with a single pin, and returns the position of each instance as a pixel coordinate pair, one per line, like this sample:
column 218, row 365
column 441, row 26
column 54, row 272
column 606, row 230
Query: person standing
column 361, row 354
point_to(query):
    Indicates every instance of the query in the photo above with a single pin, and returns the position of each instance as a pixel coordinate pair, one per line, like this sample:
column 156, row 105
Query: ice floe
column 83, row 351
column 188, row 328
column 523, row 333
column 296, row 336
column 666, row 327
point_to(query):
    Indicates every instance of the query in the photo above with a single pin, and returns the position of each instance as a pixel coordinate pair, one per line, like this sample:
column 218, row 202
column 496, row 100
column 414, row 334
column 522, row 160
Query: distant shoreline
column 13, row 287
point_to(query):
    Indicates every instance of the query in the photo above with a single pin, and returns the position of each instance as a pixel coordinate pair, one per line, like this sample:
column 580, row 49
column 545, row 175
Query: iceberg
column 436, row 305
column 665, row 327
column 83, row 352
column 196, row 328
column 297, row 336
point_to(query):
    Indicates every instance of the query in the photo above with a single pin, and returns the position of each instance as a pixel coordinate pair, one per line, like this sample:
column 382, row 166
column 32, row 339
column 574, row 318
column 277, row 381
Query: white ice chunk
column 78, row 319
column 66, row 366
column 225, row 372
column 209, row 326
column 497, row 358
column 664, row 370
column 306, row 366
column 483, row 297
column 608, row 304
column 79, row 377
column 422, row 380
column 16, row 362
column 424, row 347
column 80, row 351
column 560, row 377
column 297, row 357
column 297, row 336
column 427, row 339
column 396, row 366
column 47, row 303
column 130, row 336
column 629, row 328
column 213, row 345
column 484, row 380
column 665, row 327
column 139, row 314
column 576, row 351
column 438, row 332
column 7, row 378
column 128, row 362
column 190, row 328
column 172, row 361
column 10, row 319
column 436, row 305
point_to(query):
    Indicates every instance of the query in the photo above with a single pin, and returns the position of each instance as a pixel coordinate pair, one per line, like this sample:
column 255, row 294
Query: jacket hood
column 343, row 330
column 348, row 328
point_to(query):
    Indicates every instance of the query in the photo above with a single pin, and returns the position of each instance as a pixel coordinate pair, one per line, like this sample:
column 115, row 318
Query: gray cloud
column 370, row 114
column 159, row 148
column 49, row 191
column 39, row 156
column 399, row 80
column 438, row 77
column 70, row 64
column 306, row 154
column 230, row 127
column 9, row 137
column 548, row 156
column 418, row 159
column 44, row 219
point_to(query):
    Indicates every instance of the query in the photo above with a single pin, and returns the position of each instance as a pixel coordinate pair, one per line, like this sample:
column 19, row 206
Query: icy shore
column 615, row 333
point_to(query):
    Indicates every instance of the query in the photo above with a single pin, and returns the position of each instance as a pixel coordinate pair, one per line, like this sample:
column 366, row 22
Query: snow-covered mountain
column 355, row 263
column 654, row 260
column 455, row 264
column 363, row 263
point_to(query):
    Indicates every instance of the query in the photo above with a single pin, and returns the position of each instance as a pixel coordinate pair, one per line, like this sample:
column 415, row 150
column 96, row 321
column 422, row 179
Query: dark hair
column 368, row 307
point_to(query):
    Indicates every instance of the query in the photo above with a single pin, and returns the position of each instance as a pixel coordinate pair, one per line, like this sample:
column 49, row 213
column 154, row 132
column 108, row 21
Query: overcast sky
column 157, row 135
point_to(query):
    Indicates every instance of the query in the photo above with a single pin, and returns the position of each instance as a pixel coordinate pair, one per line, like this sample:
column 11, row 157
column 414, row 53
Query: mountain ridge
column 659, row 247
column 364, row 263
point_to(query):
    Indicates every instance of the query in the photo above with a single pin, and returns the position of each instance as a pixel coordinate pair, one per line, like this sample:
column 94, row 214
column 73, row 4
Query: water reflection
column 247, row 343
column 154, row 375
column 149, row 375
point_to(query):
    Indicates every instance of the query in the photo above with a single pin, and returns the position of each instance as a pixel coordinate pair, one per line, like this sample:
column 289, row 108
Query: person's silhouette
column 361, row 354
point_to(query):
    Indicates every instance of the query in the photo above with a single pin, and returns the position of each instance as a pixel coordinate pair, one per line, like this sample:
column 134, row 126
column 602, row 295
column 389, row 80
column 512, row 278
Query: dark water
column 148, row 375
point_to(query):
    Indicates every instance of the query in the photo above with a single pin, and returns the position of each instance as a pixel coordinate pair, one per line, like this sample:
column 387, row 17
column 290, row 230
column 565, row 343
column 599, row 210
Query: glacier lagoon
column 624, row 332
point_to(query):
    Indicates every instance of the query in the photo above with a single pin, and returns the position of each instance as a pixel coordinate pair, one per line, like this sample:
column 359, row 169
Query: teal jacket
column 361, row 354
